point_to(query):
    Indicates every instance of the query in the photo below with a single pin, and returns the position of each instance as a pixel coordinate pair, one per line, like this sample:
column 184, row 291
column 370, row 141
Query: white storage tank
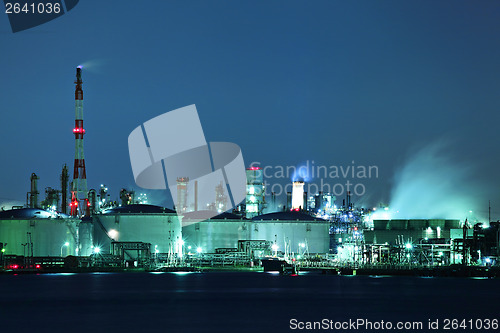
column 221, row 231
column 86, row 235
column 161, row 227
column 31, row 231
column 300, row 231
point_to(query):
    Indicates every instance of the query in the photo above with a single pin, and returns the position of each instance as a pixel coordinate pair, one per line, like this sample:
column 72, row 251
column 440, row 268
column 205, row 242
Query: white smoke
column 434, row 184
column 94, row 66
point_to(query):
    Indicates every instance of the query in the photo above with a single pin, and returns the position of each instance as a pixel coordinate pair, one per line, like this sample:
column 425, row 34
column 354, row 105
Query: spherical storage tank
column 161, row 227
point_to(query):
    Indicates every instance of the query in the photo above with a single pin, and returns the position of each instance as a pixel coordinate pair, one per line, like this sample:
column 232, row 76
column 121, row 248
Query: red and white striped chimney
column 79, row 197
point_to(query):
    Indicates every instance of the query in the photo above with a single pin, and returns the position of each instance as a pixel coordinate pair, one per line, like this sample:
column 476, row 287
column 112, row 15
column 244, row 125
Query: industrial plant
column 74, row 229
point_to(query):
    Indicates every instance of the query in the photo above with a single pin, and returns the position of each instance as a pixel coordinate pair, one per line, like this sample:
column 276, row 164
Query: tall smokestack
column 64, row 189
column 93, row 201
column 288, row 200
column 195, row 195
column 34, row 191
column 182, row 184
column 305, row 207
column 298, row 195
column 79, row 197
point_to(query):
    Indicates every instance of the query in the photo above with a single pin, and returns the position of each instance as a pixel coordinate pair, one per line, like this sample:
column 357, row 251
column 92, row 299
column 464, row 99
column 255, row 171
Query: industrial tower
column 182, row 185
column 80, row 204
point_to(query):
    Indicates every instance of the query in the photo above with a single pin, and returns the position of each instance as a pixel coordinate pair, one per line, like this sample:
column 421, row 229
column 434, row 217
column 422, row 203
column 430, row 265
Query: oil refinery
column 311, row 231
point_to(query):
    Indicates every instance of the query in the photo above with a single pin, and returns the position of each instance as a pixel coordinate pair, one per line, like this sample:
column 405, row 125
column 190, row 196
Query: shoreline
column 443, row 271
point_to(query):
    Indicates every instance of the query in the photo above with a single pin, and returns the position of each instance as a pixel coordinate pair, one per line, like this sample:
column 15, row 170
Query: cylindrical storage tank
column 221, row 231
column 85, row 237
column 161, row 227
column 36, row 232
column 313, row 235
column 299, row 231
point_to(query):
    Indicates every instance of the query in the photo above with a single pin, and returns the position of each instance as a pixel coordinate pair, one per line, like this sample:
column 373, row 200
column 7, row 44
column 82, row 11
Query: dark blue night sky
column 288, row 81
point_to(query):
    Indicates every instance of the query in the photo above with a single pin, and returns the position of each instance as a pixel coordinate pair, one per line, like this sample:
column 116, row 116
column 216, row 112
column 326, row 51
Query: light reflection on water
column 236, row 301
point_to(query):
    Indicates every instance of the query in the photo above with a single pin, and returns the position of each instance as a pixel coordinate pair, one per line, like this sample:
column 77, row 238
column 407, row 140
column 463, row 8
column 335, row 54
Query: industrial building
column 418, row 241
column 255, row 201
column 138, row 234
column 389, row 231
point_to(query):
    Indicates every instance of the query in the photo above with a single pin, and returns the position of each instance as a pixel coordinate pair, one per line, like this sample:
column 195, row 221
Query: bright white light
column 199, row 250
column 66, row 244
column 298, row 195
column 340, row 240
column 302, row 245
column 113, row 233
column 189, row 247
column 181, row 242
column 386, row 208
column 488, row 260
column 409, row 246
column 440, row 254
column 275, row 247
column 97, row 250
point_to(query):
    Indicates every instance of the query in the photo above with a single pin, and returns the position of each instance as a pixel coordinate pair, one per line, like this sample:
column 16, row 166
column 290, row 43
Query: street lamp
column 113, row 234
column 199, row 250
column 181, row 249
column 275, row 249
column 65, row 244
